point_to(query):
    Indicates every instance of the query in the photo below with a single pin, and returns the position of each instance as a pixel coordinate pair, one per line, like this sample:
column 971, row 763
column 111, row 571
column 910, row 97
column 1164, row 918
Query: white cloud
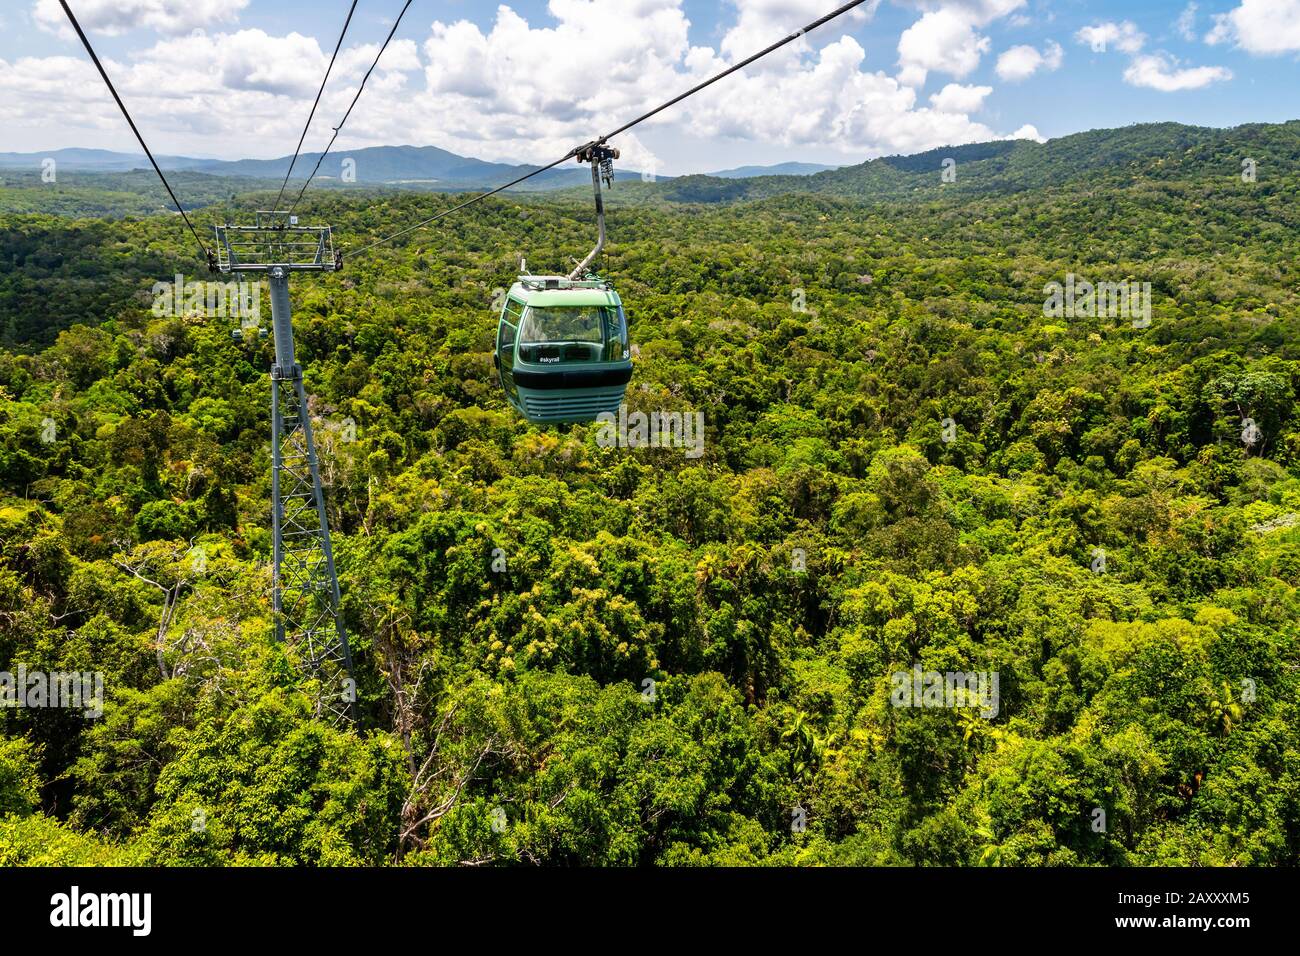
column 115, row 17
column 1186, row 23
column 1021, row 62
column 834, row 105
column 514, row 91
column 914, row 131
column 1160, row 72
column 1221, row 32
column 760, row 23
column 31, row 79
column 400, row 55
column 1125, row 37
column 198, row 94
column 825, row 99
column 1263, row 27
column 955, row 98
column 251, row 60
column 604, row 61
column 1028, row 131
column 946, row 39
column 1155, row 71
column 942, row 40
column 979, row 12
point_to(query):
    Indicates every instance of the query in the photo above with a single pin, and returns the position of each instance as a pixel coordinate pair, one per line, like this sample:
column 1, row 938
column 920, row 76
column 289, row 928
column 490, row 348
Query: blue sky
column 247, row 92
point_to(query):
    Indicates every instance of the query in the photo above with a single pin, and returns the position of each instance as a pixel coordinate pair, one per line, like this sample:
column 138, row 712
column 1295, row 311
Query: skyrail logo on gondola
column 70, row 690
column 215, row 300
column 683, row 430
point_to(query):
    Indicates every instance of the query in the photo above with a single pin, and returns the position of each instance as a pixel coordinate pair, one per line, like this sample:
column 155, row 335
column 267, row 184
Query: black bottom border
column 336, row 907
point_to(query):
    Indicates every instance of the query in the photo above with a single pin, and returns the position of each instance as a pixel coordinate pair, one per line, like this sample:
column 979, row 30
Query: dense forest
column 910, row 463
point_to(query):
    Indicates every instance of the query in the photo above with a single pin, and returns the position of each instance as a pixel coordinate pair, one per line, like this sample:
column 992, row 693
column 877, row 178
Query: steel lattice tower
column 305, row 598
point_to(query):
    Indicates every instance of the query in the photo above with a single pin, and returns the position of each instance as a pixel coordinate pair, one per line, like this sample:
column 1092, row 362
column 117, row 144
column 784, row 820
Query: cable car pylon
column 305, row 597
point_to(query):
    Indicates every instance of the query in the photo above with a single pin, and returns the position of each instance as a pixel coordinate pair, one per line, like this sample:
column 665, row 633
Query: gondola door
column 507, row 334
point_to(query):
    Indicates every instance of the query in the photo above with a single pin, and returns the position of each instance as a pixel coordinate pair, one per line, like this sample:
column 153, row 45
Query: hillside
column 93, row 160
column 781, row 169
column 911, row 463
column 1164, row 152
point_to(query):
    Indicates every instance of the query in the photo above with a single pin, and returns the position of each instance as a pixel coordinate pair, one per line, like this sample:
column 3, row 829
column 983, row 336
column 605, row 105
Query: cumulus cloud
column 497, row 85
column 978, row 12
column 946, row 39
column 955, row 98
column 38, row 86
column 943, row 40
column 401, row 55
column 1154, row 71
column 115, row 17
column 1186, row 23
column 226, row 94
column 253, row 60
column 833, row 105
column 1028, row 131
column 1021, row 62
column 826, row 98
column 517, row 91
column 1160, row 72
column 1262, row 27
column 759, row 23
column 1102, row 37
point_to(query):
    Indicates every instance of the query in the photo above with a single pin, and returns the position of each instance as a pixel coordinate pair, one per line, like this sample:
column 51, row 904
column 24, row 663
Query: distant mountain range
column 426, row 166
column 382, row 165
column 93, row 161
column 781, row 169
column 1151, row 153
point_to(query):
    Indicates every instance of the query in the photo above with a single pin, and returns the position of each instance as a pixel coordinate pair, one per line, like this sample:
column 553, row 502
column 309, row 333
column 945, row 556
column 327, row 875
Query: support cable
column 798, row 34
column 339, row 128
column 206, row 255
column 310, row 116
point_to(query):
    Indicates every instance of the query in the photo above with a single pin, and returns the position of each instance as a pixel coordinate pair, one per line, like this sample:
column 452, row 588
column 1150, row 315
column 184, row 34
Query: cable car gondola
column 562, row 350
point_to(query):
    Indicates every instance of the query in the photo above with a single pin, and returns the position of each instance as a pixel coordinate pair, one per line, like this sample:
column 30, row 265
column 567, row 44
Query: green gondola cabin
column 562, row 352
